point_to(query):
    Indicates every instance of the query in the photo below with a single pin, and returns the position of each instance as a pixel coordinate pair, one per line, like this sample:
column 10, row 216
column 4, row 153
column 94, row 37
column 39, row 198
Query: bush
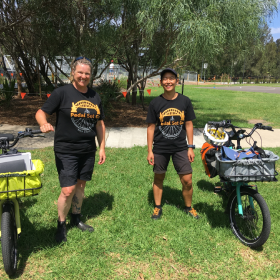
column 240, row 80
column 123, row 82
column 8, row 91
column 108, row 91
column 2, row 79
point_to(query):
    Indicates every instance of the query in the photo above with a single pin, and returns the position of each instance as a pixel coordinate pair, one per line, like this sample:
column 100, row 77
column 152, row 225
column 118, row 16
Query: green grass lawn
column 238, row 106
column 213, row 84
column 126, row 243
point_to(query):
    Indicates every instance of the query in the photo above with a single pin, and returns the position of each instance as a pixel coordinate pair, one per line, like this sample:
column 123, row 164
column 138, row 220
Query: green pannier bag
column 20, row 184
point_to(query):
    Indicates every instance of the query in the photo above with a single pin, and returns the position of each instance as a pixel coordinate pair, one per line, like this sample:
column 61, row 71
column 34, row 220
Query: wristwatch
column 191, row 146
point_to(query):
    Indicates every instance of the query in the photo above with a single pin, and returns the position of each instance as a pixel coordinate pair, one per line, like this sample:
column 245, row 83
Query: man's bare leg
column 64, row 202
column 187, row 191
column 78, row 197
column 77, row 202
column 158, row 187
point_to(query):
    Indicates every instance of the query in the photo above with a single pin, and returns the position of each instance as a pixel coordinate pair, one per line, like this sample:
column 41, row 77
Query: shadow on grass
column 205, row 186
column 216, row 218
column 33, row 239
column 93, row 205
column 171, row 196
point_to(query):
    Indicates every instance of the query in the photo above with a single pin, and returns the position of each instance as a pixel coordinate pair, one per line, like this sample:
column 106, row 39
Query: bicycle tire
column 253, row 228
column 9, row 241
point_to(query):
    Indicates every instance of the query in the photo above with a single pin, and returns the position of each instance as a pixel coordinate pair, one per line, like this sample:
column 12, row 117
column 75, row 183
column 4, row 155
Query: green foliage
column 123, row 83
column 8, row 91
column 44, row 86
column 140, row 34
column 108, row 91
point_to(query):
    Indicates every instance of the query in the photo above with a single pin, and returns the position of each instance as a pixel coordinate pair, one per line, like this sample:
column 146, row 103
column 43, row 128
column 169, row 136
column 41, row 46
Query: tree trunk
column 55, row 77
column 129, row 83
column 44, row 73
column 19, row 85
column 142, row 98
column 135, row 72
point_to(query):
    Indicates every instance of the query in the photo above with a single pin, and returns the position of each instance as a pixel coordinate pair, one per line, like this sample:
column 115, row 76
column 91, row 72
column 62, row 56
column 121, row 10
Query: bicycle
column 248, row 212
column 17, row 180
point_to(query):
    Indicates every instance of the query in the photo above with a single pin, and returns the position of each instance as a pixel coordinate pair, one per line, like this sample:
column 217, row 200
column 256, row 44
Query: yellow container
column 20, row 184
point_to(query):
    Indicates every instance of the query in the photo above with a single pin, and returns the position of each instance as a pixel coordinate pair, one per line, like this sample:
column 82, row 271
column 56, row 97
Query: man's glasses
column 81, row 57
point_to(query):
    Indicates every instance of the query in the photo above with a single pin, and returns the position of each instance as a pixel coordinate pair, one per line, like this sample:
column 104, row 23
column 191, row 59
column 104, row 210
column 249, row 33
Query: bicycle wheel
column 253, row 228
column 9, row 240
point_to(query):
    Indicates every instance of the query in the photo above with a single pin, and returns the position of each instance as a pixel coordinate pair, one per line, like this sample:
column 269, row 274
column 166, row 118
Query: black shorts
column 180, row 161
column 71, row 167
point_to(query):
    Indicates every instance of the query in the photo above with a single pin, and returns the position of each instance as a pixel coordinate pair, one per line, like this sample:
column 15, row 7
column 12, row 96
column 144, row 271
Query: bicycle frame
column 238, row 196
column 238, row 186
column 250, row 218
column 17, row 215
column 10, row 225
column 238, row 135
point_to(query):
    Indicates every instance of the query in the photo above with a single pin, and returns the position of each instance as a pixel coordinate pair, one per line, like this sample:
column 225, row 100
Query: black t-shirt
column 170, row 117
column 76, row 117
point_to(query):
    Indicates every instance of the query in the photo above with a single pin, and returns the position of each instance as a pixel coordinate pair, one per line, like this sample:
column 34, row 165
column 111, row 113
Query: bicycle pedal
column 217, row 189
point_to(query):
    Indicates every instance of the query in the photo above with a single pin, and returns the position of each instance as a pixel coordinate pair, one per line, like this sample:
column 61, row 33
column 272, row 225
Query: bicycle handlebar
column 221, row 124
column 267, row 128
column 37, row 131
column 228, row 123
column 5, row 138
column 239, row 134
column 9, row 137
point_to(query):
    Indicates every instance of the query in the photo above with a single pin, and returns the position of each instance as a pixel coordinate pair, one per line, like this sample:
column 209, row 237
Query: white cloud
column 275, row 30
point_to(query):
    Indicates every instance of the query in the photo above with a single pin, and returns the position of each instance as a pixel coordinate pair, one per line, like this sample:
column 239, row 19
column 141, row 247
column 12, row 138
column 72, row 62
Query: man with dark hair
column 169, row 121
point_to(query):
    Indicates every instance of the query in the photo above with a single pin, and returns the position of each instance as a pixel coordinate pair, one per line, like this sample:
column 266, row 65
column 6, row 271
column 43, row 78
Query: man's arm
column 150, row 140
column 100, row 131
column 189, row 130
column 41, row 118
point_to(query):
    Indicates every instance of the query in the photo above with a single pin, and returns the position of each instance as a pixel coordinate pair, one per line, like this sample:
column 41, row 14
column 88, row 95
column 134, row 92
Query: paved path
column 127, row 137
column 275, row 90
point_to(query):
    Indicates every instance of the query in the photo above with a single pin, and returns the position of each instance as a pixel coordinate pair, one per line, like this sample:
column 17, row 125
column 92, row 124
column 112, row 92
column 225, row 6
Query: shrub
column 8, row 91
column 2, row 79
column 108, row 91
column 123, row 82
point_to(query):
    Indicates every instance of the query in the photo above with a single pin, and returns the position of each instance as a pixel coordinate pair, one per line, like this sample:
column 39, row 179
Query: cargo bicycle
column 19, row 177
column 248, row 212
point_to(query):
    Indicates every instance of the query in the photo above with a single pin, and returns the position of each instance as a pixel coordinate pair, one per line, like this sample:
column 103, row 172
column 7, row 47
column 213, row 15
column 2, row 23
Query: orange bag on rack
column 208, row 152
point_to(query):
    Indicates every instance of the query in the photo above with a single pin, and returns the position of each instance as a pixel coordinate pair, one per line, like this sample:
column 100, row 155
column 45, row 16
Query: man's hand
column 150, row 158
column 191, row 155
column 102, row 156
column 47, row 127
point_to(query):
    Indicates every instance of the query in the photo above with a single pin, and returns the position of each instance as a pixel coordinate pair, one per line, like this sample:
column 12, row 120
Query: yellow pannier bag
column 19, row 184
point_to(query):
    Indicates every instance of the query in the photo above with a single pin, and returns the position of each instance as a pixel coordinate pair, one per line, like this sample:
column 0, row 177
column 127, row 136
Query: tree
column 65, row 28
column 141, row 34
column 194, row 30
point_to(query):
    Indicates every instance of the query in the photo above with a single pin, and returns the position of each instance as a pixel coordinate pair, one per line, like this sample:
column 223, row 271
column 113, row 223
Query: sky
column 274, row 24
